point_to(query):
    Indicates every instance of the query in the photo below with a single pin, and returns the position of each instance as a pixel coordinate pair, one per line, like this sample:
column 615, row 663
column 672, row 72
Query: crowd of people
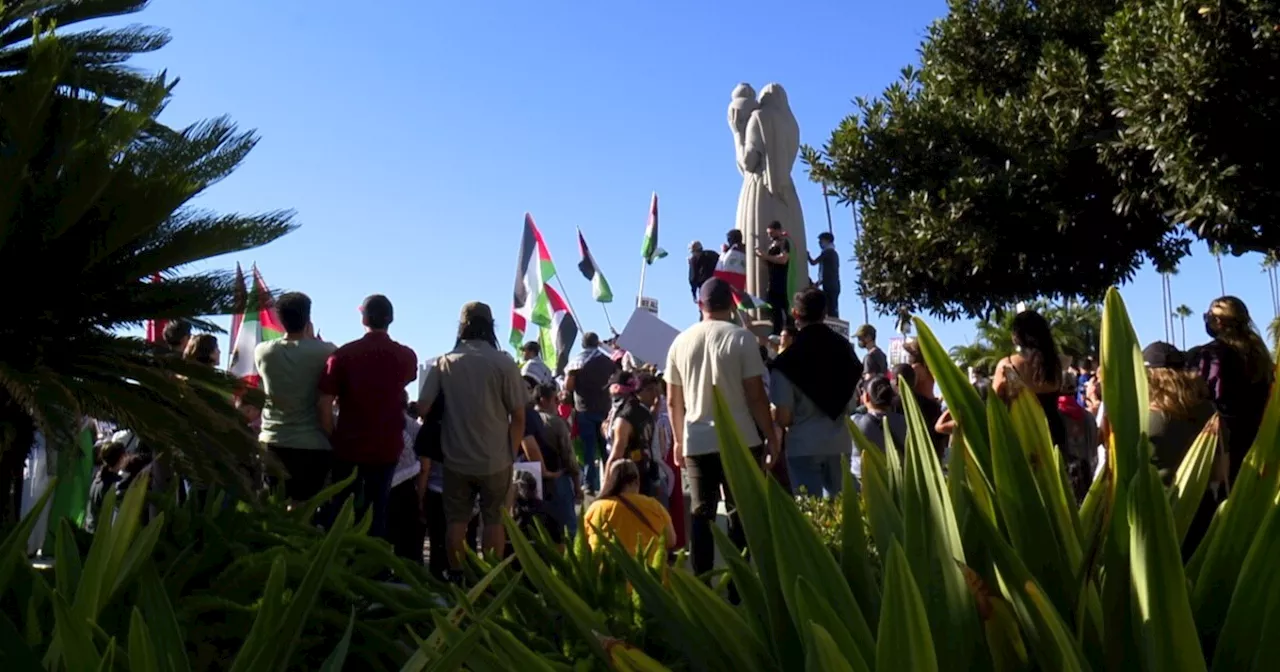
column 623, row 444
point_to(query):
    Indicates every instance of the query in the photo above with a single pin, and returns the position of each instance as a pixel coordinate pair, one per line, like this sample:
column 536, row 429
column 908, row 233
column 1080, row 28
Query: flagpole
column 572, row 311
column 644, row 265
column 607, row 319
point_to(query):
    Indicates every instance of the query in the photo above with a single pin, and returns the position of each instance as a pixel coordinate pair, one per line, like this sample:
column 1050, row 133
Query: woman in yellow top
column 635, row 520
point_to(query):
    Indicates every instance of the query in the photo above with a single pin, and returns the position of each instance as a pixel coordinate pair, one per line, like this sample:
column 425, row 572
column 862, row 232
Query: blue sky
column 411, row 138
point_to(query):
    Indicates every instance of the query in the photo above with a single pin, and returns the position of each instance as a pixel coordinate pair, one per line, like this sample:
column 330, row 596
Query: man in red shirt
column 367, row 378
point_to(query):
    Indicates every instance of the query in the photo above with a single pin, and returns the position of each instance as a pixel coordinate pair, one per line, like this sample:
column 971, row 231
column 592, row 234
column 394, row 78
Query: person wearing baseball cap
column 715, row 354
column 366, row 378
column 483, row 427
column 875, row 362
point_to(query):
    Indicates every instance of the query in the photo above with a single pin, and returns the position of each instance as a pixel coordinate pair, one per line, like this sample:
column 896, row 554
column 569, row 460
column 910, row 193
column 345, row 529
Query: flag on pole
column 258, row 324
column 557, row 340
column 745, row 301
column 651, row 251
column 155, row 328
column 797, row 273
column 600, row 290
column 534, row 269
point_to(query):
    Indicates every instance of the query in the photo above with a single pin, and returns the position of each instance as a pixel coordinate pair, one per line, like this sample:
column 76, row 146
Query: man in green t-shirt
column 291, row 429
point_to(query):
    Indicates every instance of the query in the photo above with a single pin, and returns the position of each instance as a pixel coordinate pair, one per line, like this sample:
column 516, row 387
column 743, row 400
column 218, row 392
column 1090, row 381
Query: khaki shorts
column 461, row 490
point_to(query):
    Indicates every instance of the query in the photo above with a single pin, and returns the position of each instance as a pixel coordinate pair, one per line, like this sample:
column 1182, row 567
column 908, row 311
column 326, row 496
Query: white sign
column 839, row 326
column 648, row 338
column 897, row 354
column 648, row 303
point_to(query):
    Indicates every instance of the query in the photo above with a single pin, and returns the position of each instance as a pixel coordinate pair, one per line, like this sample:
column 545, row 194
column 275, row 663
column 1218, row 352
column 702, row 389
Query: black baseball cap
column 1161, row 355
column 715, row 295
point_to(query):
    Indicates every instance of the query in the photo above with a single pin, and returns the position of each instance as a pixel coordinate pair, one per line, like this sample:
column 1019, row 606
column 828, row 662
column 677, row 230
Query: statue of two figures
column 767, row 139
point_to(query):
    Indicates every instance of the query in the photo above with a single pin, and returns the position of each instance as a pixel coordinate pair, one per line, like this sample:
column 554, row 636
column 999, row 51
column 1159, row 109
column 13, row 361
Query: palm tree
column 1183, row 312
column 1269, row 264
column 91, row 207
column 97, row 57
column 1076, row 328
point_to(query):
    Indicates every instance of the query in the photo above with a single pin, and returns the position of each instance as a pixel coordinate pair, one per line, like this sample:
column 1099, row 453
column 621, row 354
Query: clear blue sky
column 411, row 138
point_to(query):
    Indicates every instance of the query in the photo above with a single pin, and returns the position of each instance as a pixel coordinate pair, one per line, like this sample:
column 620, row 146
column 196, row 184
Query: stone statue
column 767, row 139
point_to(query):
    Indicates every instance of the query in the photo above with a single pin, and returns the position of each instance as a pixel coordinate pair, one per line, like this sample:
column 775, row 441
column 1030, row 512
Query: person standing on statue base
column 828, row 263
column 778, row 258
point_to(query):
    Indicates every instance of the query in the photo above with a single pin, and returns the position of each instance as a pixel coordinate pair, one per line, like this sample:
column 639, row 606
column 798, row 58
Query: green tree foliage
column 1077, row 329
column 1007, row 166
column 91, row 207
column 1187, row 80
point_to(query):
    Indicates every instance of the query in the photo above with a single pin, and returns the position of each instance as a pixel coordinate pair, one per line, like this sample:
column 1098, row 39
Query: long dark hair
column 1031, row 333
column 1228, row 321
column 621, row 474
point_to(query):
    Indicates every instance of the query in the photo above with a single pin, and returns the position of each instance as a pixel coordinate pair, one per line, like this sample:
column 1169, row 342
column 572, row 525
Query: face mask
column 1208, row 327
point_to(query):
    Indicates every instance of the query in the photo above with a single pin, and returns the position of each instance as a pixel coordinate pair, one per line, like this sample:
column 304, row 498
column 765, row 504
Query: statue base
column 761, row 328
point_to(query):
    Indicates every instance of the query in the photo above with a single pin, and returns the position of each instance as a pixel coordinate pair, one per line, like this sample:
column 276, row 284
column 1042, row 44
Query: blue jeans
column 372, row 489
column 819, row 475
column 592, row 447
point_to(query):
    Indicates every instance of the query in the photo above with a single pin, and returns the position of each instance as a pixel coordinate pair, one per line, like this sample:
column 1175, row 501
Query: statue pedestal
column 761, row 328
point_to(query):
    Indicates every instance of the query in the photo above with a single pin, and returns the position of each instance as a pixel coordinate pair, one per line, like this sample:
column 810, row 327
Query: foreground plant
column 989, row 566
column 210, row 586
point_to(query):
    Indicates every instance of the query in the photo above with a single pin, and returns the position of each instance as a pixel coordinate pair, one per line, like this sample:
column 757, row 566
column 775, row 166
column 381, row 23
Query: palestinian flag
column 797, row 273
column 258, row 324
column 732, row 268
column 650, row 250
column 600, row 290
column 557, row 340
column 534, row 269
column 745, row 301
column 155, row 328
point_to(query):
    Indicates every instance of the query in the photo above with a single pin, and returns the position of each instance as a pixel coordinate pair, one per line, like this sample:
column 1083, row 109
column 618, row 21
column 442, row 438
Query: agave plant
column 92, row 207
column 988, row 566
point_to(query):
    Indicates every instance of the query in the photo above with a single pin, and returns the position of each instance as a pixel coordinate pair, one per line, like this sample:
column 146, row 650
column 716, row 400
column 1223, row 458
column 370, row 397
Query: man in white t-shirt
column 715, row 354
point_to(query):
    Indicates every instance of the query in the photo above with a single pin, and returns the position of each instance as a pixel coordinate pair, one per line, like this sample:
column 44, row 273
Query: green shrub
column 209, row 586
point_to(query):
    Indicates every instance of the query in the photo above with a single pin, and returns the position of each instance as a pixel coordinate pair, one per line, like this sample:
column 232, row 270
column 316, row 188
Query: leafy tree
column 1187, row 79
column 1076, row 328
column 1000, row 170
column 91, row 207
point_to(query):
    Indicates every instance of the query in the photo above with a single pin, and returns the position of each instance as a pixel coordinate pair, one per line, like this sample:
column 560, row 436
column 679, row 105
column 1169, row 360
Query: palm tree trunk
column 1184, row 332
column 1164, row 305
column 1222, row 282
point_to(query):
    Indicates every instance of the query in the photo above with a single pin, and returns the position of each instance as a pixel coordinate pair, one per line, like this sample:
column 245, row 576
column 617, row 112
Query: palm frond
column 93, row 196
